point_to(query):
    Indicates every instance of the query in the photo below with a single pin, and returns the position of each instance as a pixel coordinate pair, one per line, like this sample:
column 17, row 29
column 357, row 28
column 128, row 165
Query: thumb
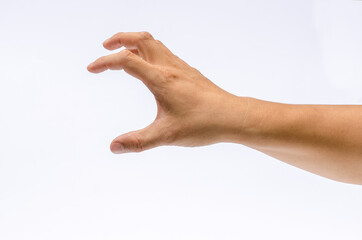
column 138, row 141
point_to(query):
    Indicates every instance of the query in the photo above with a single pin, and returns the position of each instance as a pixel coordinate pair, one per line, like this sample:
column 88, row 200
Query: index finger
column 127, row 61
column 130, row 40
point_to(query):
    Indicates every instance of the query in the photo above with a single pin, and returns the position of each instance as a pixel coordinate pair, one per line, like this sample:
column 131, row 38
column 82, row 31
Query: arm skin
column 193, row 111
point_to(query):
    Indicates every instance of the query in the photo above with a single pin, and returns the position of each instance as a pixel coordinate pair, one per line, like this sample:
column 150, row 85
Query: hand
column 191, row 110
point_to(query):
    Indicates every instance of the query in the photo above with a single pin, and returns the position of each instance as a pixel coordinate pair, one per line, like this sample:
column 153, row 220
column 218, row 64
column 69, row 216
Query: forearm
column 323, row 139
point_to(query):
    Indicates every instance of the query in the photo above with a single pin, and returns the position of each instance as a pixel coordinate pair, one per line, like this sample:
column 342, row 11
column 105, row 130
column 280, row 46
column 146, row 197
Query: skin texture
column 193, row 111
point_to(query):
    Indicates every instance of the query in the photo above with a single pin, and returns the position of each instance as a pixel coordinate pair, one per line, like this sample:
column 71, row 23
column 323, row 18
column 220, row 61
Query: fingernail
column 117, row 147
column 105, row 41
column 90, row 66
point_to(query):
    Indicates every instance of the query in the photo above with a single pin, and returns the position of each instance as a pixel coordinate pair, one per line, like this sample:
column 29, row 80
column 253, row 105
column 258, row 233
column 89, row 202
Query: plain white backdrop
column 58, row 179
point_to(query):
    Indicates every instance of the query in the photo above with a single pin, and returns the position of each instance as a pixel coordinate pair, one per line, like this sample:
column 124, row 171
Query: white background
column 58, row 179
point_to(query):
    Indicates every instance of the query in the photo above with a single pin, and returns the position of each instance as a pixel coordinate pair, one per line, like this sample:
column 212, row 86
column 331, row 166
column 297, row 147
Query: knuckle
column 125, row 54
column 158, row 42
column 101, row 60
column 195, row 70
column 169, row 74
column 118, row 35
column 146, row 35
column 139, row 144
column 170, row 135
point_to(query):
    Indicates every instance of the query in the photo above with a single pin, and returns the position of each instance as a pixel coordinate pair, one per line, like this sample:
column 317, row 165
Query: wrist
column 234, row 117
column 246, row 120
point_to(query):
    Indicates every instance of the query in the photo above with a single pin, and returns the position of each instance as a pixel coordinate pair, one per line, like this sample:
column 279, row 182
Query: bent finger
column 127, row 61
column 148, row 48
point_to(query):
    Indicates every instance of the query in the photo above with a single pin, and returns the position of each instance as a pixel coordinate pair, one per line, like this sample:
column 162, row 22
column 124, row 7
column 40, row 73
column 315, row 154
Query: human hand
column 191, row 110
